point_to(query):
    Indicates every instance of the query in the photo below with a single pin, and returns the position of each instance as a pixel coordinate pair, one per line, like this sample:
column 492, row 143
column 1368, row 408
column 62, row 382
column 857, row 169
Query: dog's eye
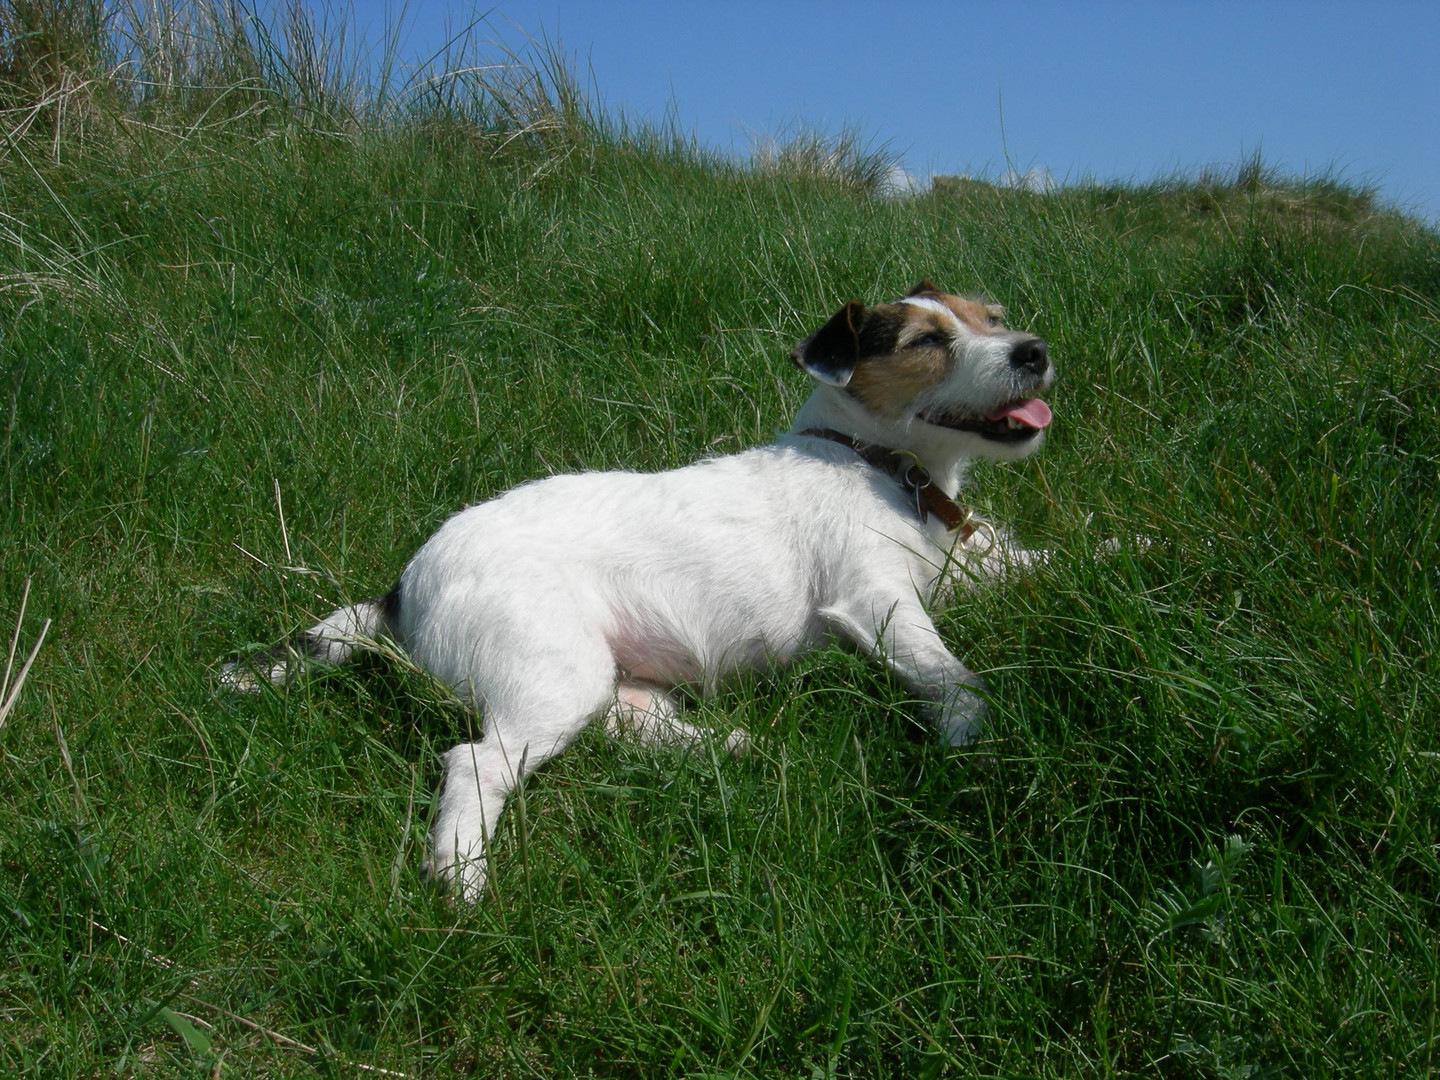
column 995, row 321
column 928, row 339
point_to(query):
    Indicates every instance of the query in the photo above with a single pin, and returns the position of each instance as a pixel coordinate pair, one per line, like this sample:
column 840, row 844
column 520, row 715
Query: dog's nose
column 1030, row 355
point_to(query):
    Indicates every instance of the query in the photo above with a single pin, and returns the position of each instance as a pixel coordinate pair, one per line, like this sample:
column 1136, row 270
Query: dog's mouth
column 1016, row 422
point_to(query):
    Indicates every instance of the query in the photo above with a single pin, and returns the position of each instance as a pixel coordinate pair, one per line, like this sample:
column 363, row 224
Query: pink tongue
column 1032, row 412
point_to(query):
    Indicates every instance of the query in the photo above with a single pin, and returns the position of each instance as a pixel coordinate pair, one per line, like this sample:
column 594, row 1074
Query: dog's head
column 946, row 363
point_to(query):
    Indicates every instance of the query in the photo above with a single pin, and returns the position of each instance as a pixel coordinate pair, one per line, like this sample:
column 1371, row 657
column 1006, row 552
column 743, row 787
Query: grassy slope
column 202, row 332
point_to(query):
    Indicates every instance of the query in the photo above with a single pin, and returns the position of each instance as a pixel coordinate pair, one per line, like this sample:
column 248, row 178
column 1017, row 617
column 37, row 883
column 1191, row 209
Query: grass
column 254, row 349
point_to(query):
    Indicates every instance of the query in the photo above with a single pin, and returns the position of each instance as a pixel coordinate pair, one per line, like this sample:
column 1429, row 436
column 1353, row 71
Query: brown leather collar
column 910, row 475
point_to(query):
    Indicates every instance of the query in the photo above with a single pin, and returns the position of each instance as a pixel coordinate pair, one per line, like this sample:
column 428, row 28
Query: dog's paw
column 244, row 677
column 963, row 718
column 463, row 878
column 1138, row 544
column 737, row 743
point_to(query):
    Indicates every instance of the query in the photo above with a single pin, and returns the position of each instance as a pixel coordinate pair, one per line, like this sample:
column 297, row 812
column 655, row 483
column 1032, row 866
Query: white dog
column 595, row 595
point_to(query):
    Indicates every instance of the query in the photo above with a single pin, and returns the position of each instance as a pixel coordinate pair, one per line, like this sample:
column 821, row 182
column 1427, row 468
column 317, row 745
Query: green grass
column 253, row 352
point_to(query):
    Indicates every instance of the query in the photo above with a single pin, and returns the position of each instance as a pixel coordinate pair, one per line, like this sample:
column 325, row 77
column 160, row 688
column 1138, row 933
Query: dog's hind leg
column 330, row 642
column 650, row 717
column 479, row 777
column 534, row 708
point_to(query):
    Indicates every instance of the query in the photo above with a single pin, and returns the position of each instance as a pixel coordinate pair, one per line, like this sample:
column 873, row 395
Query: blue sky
column 1100, row 90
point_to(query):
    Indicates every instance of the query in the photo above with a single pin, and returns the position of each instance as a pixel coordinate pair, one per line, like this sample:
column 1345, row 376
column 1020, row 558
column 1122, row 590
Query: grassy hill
column 263, row 328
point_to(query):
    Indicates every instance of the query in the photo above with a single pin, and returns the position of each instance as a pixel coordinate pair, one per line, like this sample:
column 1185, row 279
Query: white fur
column 585, row 596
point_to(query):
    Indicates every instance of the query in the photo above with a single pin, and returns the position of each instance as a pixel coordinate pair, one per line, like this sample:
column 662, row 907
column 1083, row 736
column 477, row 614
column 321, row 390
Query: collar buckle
column 915, row 478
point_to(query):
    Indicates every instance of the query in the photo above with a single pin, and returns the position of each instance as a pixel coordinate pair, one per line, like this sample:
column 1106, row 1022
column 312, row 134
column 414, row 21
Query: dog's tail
column 332, row 641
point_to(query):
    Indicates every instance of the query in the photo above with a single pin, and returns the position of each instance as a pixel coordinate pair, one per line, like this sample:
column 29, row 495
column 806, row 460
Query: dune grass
column 254, row 349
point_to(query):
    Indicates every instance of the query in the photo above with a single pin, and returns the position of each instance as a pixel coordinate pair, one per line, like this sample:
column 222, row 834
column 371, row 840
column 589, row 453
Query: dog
column 602, row 594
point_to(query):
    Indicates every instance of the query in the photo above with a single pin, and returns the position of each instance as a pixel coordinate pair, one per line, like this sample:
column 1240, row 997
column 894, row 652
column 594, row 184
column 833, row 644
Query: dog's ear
column 831, row 353
column 925, row 285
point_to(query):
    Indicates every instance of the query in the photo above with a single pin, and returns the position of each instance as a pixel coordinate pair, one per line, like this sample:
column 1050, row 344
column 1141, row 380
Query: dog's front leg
column 904, row 637
column 991, row 554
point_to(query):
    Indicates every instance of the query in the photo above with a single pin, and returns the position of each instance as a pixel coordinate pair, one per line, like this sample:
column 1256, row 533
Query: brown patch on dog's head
column 911, row 352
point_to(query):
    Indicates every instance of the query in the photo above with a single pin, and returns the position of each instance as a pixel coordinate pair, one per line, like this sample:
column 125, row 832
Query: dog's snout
column 1031, row 355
